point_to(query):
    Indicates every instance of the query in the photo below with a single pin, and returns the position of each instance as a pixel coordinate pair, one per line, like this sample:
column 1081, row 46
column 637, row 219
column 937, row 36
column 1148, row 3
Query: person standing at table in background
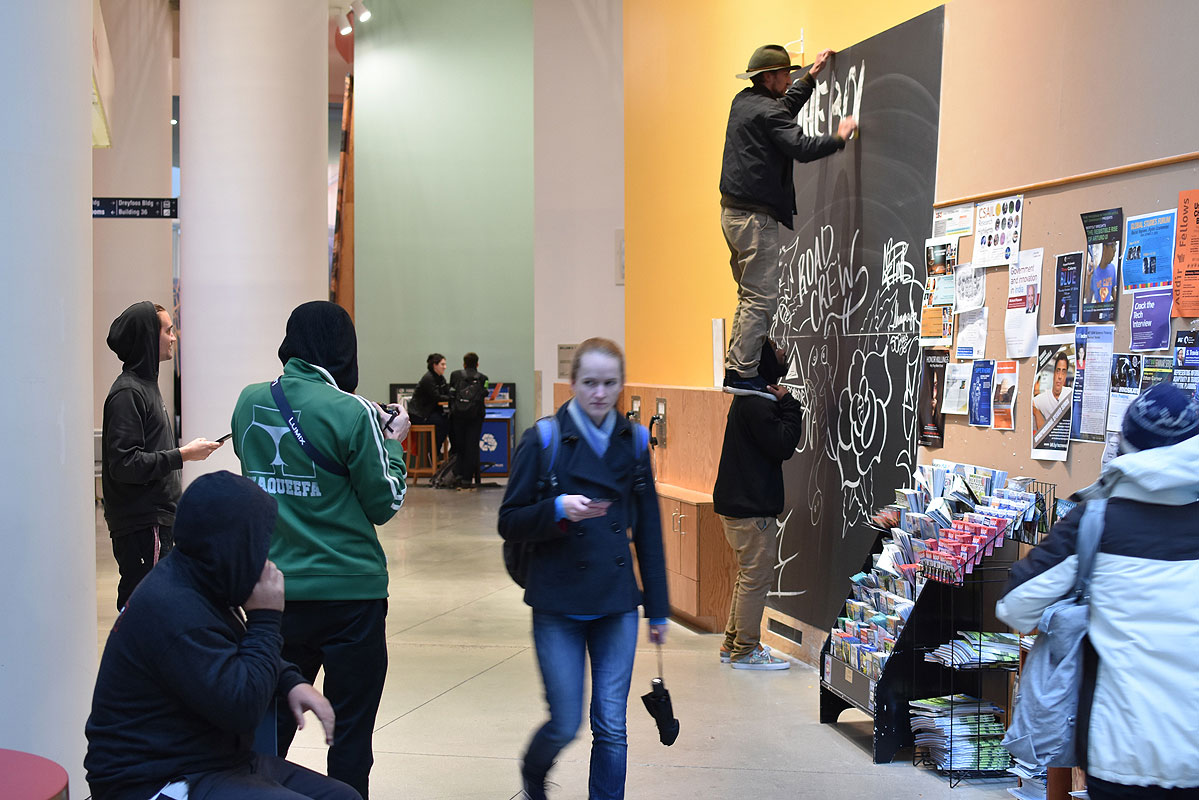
column 468, row 407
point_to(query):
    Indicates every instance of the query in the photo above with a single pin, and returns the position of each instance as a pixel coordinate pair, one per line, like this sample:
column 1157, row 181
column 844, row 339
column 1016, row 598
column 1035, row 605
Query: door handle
column 681, row 518
column 674, row 522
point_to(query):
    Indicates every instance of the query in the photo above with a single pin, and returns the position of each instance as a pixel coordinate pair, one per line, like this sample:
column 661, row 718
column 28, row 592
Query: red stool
column 30, row 777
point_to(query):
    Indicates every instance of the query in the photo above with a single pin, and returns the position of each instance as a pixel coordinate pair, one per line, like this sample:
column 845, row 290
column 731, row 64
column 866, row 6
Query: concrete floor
column 463, row 693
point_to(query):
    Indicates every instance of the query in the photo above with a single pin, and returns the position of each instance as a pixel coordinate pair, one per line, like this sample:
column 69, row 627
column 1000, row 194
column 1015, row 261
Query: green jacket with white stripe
column 324, row 541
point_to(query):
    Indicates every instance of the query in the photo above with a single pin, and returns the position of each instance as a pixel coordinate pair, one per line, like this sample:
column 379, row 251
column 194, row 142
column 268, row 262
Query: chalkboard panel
column 849, row 305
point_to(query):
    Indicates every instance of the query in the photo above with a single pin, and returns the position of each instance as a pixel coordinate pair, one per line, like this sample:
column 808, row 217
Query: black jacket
column 183, row 682
column 430, row 390
column 760, row 144
column 585, row 567
column 458, row 379
column 759, row 436
column 141, row 460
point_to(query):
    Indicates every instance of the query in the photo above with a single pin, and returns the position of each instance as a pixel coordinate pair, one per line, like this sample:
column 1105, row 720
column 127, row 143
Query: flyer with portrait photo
column 997, row 231
column 1149, row 251
column 1093, row 345
column 1052, row 390
column 1067, row 272
column 1186, row 361
column 1003, row 405
column 1099, row 271
column 1023, row 303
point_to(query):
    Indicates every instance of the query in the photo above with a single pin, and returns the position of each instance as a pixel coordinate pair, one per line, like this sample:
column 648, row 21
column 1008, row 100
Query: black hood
column 133, row 336
column 322, row 334
column 223, row 530
column 769, row 368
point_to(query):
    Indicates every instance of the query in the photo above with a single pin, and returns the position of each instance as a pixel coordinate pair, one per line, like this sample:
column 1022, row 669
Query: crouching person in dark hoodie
column 193, row 662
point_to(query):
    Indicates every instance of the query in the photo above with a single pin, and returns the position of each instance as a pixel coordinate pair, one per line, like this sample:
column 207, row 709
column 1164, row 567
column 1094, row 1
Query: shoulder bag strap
column 292, row 422
column 1090, row 531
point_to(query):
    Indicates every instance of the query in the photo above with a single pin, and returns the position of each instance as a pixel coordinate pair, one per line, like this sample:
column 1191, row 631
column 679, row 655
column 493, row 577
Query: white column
column 253, row 191
column 132, row 257
column 48, row 569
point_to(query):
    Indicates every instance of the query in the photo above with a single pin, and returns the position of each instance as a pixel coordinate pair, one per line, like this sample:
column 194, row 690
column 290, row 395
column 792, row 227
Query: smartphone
column 223, row 438
column 600, row 502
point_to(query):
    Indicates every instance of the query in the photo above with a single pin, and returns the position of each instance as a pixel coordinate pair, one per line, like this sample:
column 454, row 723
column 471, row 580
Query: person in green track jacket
column 337, row 471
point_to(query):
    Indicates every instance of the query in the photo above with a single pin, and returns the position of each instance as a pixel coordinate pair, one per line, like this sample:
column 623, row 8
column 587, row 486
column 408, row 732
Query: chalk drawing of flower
column 861, row 427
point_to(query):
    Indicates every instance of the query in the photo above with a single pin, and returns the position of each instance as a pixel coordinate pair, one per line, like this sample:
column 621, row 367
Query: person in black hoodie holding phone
column 141, row 456
column 193, row 662
column 759, row 436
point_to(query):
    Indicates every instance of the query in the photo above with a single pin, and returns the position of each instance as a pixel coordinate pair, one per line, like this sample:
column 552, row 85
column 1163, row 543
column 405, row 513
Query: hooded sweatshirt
column 325, row 540
column 183, row 681
column 141, row 467
column 1144, row 622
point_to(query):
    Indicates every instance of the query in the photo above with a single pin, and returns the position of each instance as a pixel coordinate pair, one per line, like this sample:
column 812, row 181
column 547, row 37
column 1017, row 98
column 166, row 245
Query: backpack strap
column 289, row 416
column 550, row 437
column 1090, row 532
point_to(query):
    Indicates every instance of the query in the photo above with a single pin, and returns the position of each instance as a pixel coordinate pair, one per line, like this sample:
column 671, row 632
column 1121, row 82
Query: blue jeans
column 562, row 645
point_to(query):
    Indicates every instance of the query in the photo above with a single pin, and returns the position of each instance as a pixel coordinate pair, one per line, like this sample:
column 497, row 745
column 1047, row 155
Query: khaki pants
column 753, row 240
column 754, row 541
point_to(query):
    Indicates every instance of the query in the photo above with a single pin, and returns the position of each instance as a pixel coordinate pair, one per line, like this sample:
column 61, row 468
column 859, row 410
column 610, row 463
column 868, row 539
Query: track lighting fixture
column 347, row 27
column 361, row 12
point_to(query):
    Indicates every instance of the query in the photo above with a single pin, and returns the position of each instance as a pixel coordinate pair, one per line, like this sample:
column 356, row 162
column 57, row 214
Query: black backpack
column 518, row 554
column 468, row 400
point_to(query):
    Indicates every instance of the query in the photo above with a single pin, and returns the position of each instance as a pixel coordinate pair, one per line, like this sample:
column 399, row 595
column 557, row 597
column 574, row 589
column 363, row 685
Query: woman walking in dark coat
column 580, row 580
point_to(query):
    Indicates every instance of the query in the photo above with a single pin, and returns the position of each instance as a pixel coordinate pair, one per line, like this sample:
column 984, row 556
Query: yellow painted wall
column 680, row 57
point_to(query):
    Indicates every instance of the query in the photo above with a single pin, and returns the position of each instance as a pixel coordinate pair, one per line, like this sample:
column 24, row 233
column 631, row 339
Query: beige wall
column 1080, row 101
column 132, row 257
column 578, row 179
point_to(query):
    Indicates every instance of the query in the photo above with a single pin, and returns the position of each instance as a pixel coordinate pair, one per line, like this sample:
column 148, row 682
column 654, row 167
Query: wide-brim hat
column 768, row 58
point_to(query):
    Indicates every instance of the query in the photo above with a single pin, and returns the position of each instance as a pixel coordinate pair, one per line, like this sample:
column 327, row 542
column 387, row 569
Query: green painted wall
column 444, row 190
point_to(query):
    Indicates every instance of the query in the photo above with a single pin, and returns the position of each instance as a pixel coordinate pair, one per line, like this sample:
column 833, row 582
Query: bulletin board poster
column 997, row 231
column 941, row 254
column 1099, row 278
column 1053, row 393
column 1093, row 351
column 1066, row 295
column 1149, row 251
column 932, row 382
column 982, row 385
column 1186, row 256
column 1149, row 322
column 1007, row 376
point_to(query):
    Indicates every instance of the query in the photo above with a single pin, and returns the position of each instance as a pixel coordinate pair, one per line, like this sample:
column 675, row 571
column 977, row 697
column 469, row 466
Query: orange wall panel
column 680, row 57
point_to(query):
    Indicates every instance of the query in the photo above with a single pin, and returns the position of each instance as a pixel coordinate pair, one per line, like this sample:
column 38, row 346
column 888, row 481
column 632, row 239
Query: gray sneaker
column 727, row 655
column 760, row 659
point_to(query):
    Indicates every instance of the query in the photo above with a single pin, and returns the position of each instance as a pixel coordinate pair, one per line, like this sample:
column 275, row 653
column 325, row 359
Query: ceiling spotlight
column 347, row 27
column 361, row 12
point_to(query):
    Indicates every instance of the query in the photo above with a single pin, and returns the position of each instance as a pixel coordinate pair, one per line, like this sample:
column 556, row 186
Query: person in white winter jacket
column 1140, row 736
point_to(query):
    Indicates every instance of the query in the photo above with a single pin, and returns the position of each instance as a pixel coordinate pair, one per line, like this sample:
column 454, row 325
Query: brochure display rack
column 912, row 626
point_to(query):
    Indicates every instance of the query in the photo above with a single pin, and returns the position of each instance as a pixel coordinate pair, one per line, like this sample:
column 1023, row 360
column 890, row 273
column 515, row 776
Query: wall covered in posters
column 849, row 309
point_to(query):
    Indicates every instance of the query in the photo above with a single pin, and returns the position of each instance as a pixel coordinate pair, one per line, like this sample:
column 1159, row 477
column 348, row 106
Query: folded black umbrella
column 658, row 704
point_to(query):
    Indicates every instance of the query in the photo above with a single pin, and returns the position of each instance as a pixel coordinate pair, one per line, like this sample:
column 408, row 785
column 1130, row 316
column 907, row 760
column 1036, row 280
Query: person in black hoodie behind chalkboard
column 759, row 436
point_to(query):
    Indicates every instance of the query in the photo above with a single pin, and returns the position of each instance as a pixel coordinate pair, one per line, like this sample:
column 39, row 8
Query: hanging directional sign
column 153, row 207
